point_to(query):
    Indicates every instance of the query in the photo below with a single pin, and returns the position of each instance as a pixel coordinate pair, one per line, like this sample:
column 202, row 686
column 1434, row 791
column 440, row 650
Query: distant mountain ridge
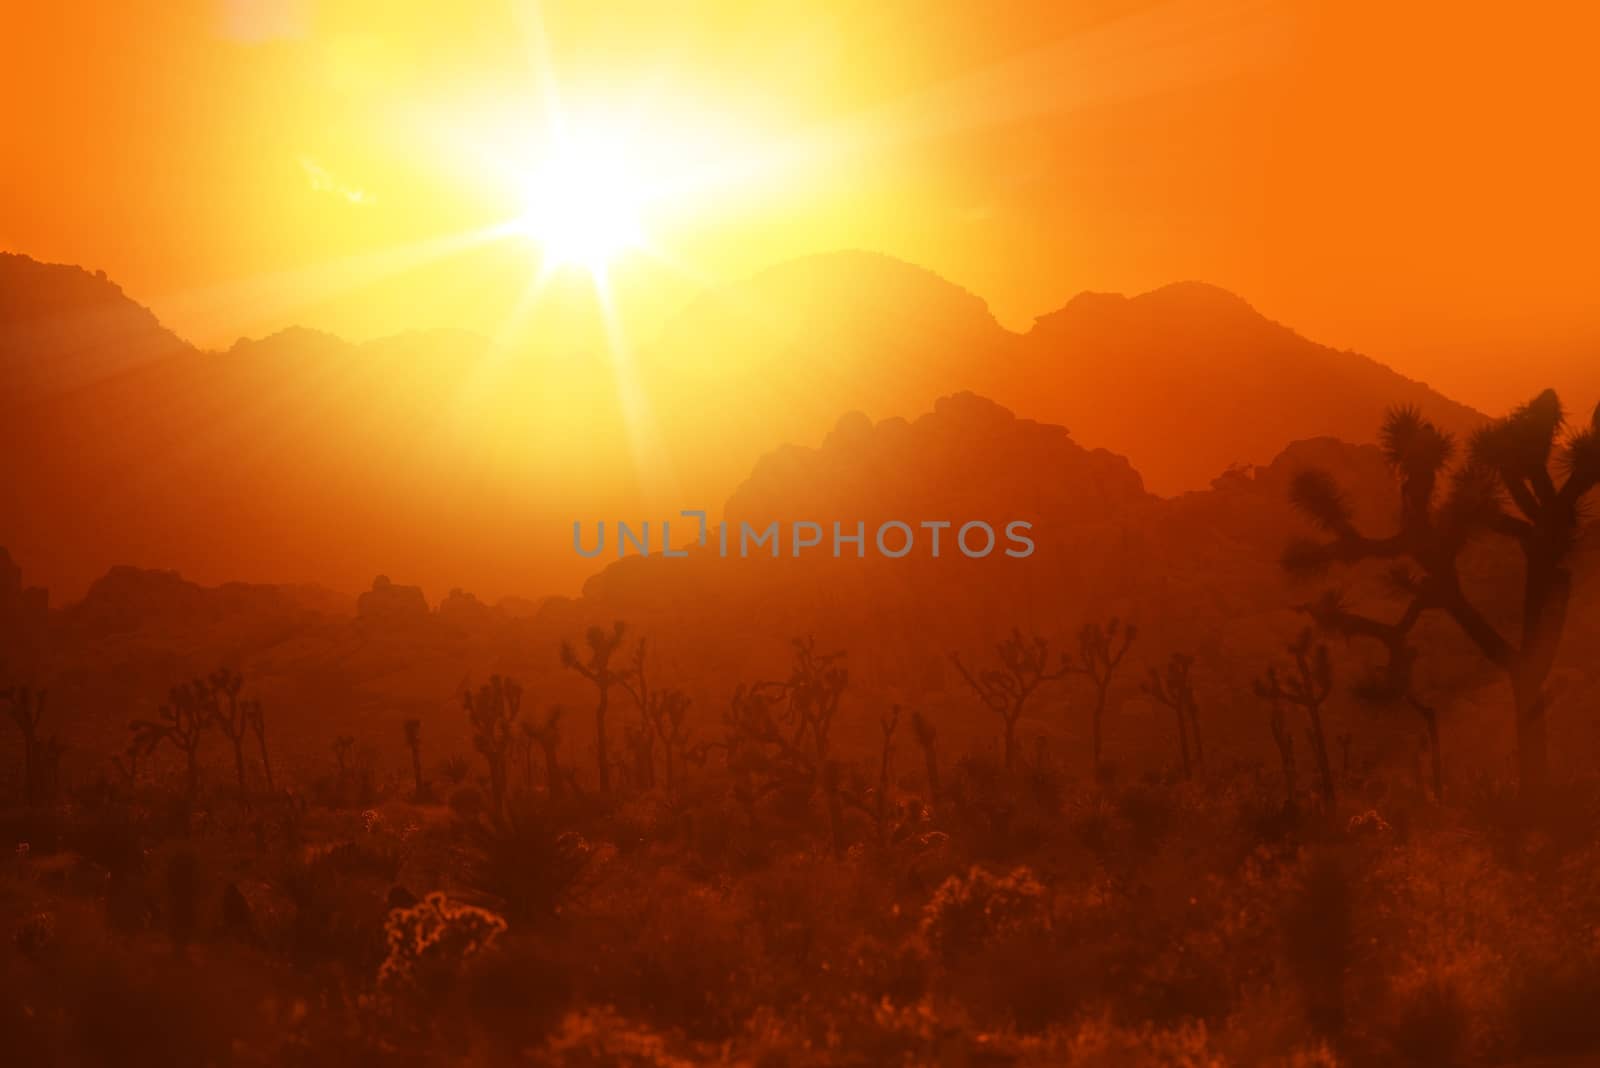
column 302, row 457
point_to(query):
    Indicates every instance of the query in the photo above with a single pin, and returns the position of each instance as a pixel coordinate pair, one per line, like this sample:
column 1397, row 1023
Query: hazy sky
column 1417, row 181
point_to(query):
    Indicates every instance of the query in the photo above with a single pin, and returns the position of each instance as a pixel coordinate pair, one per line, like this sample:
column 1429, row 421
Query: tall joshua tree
column 1025, row 665
column 547, row 736
column 493, row 712
column 189, row 711
column 1174, row 687
column 596, row 667
column 1524, row 460
column 231, row 716
column 1099, row 655
column 26, row 706
column 1307, row 685
column 927, row 740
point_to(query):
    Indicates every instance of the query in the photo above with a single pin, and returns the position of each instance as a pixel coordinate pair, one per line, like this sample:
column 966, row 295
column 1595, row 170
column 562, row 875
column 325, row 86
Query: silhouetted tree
column 413, row 729
column 1308, row 686
column 1395, row 678
column 1511, row 458
column 26, row 707
column 493, row 712
column 189, row 710
column 231, row 716
column 1174, row 687
column 663, row 714
column 597, row 669
column 778, row 734
column 1025, row 665
column 1099, row 655
column 547, row 736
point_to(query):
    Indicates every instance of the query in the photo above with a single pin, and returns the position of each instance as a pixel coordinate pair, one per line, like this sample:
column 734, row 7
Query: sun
column 583, row 205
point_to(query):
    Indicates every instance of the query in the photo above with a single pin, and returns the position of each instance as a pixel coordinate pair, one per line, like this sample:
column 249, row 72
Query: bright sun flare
column 583, row 207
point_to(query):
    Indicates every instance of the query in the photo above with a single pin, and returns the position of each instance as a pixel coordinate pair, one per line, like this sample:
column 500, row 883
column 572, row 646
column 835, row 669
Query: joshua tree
column 780, row 731
column 256, row 719
column 662, row 713
column 26, row 706
column 597, row 669
column 413, row 728
column 927, row 739
column 1511, row 459
column 547, row 736
column 232, row 718
column 1307, row 686
column 493, row 713
column 1395, row 678
column 1099, row 656
column 189, row 710
column 1174, row 687
column 1025, row 665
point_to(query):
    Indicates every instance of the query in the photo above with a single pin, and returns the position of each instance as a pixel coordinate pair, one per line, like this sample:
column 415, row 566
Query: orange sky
column 1419, row 183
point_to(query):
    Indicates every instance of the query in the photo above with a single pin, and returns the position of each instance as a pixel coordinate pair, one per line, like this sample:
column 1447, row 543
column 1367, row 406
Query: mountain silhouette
column 454, row 460
column 1189, row 379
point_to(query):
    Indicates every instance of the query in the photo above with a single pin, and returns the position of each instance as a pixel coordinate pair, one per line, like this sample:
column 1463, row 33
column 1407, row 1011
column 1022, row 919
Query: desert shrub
column 968, row 911
column 428, row 944
column 525, row 862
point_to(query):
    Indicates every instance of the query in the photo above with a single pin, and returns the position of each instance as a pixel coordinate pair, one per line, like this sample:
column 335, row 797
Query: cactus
column 597, row 669
column 1308, row 686
column 1024, row 667
column 493, row 712
column 1099, row 656
column 1510, row 459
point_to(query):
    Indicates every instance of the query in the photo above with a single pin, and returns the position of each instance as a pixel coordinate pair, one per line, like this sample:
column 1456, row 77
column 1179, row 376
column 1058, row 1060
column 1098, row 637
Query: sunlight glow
column 584, row 205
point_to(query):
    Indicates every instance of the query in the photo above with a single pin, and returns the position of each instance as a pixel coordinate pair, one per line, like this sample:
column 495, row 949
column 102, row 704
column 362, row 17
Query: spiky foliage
column 1306, row 684
column 1101, row 649
column 596, row 667
column 1173, row 686
column 1025, row 665
column 524, row 862
column 492, row 712
column 1515, row 459
column 189, row 712
column 25, row 705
